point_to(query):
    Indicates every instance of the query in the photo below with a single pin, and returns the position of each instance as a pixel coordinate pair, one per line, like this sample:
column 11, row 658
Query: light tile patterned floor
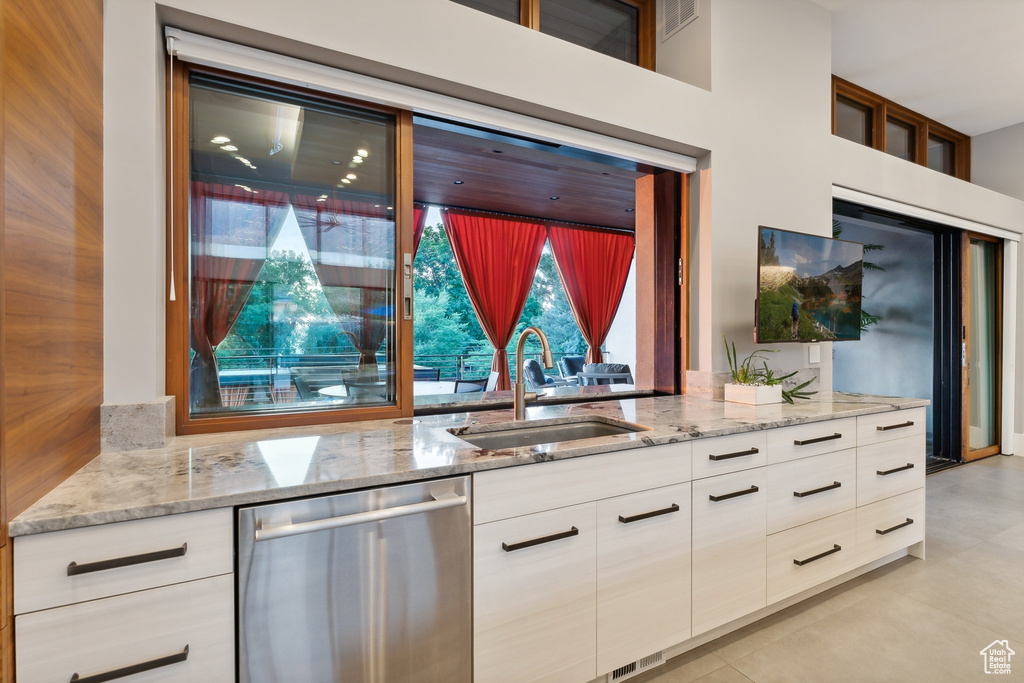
column 911, row 620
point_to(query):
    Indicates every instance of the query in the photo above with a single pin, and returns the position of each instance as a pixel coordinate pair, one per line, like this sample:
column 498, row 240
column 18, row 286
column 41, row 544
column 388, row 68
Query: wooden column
column 658, row 211
column 51, row 292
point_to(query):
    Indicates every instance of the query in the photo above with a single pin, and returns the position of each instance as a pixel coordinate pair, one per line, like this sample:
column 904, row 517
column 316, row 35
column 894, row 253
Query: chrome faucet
column 521, row 395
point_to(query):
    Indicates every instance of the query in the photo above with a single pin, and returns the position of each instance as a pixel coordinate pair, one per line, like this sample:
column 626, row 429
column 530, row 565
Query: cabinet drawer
column 106, row 635
column 889, row 426
column 144, row 553
column 804, row 556
column 499, row 494
column 889, row 468
column 815, row 438
column 728, row 548
column 801, row 491
column 534, row 611
column 643, row 574
column 890, row 525
column 732, row 453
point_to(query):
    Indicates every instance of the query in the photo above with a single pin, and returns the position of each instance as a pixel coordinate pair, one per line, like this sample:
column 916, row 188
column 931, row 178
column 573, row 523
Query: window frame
column 178, row 270
column 923, row 127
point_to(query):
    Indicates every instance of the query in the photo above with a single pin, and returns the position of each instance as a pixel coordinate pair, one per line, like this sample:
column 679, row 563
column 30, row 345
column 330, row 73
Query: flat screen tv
column 809, row 288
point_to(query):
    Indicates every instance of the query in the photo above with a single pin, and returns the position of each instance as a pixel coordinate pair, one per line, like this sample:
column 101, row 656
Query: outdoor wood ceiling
column 506, row 175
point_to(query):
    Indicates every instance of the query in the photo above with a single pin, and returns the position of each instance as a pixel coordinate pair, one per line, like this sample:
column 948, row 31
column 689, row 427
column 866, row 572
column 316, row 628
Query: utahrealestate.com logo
column 997, row 657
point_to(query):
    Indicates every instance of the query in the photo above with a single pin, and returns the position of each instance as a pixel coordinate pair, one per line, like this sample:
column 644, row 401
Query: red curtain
column 342, row 237
column 497, row 256
column 419, row 219
column 233, row 228
column 593, row 265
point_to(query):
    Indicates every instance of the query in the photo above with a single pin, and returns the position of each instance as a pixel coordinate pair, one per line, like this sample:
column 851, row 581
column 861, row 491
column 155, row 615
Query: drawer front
column 805, row 556
column 815, row 438
column 890, row 525
column 534, row 610
column 643, row 574
column 890, row 426
column 801, row 491
column 150, row 626
column 889, row 468
column 728, row 548
column 514, row 491
column 146, row 553
column 732, row 453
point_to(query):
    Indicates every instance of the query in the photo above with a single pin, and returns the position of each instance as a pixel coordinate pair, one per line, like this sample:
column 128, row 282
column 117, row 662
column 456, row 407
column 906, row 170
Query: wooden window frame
column 884, row 109
column 178, row 237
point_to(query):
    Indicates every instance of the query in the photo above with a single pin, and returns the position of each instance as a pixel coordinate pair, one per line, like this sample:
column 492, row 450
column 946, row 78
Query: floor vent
column 677, row 14
column 637, row 667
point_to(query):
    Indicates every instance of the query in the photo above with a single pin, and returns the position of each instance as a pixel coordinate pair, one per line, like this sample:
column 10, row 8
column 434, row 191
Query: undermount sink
column 533, row 433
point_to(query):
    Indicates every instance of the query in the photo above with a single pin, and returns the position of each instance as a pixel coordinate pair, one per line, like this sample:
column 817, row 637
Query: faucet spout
column 521, row 395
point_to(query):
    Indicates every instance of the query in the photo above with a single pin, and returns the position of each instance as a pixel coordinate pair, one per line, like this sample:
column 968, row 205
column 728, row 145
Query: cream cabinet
column 729, row 518
column 151, row 599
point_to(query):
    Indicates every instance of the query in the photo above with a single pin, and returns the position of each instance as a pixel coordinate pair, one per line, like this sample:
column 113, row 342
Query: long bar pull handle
column 440, row 502
column 511, row 547
column 807, row 442
column 647, row 515
column 74, row 569
column 908, row 423
column 133, row 669
column 882, row 473
column 804, row 494
column 835, row 549
column 883, row 532
column 737, row 454
column 734, row 494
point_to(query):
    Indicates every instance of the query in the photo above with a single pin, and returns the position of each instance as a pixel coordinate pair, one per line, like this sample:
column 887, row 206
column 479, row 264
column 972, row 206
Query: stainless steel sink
column 533, row 433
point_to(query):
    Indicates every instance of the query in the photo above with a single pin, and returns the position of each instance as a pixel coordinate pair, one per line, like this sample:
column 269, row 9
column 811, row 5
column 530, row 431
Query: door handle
column 133, row 669
column 74, row 569
column 511, row 547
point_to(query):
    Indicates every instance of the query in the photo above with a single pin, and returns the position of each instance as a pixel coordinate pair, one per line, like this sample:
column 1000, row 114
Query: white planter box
column 741, row 393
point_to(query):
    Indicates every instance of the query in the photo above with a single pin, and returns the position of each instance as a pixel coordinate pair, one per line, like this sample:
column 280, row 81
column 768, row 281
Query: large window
column 623, row 29
column 290, row 246
column 868, row 119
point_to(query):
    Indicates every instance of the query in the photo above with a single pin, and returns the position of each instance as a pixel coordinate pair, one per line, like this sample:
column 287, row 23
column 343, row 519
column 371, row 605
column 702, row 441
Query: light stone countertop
column 239, row 468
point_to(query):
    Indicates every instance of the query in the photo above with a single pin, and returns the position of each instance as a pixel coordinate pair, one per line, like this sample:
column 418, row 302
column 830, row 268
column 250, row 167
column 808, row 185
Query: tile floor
column 911, row 620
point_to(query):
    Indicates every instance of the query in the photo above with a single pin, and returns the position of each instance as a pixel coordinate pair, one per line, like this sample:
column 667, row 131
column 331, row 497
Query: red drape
column 344, row 237
column 419, row 219
column 593, row 266
column 497, row 257
column 232, row 230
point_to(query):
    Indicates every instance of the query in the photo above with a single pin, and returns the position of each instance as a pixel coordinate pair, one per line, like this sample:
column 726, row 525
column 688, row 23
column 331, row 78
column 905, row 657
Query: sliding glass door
column 981, row 351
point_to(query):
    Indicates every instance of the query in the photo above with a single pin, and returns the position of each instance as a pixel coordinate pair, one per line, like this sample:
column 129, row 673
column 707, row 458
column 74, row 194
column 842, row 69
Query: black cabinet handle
column 647, row 515
column 883, row 532
column 835, row 549
column 734, row 494
column 738, row 454
column 807, row 442
column 509, row 547
column 133, row 669
column 75, row 569
column 802, row 494
column 908, row 423
column 908, row 466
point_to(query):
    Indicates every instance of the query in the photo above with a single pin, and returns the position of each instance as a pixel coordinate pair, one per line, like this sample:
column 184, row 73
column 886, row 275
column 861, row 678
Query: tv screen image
column 809, row 287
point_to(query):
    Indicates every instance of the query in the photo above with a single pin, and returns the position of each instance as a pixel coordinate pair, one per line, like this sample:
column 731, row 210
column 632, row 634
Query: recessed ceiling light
column 629, row 210
column 357, row 160
column 363, row 152
column 336, row 163
column 229, row 148
column 221, row 140
column 554, row 196
column 351, row 176
column 346, row 181
column 390, row 208
column 456, row 182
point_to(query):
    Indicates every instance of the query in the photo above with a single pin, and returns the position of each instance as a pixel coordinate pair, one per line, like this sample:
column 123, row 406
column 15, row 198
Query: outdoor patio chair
column 570, row 366
column 466, row 386
column 605, row 373
column 535, row 378
column 492, row 381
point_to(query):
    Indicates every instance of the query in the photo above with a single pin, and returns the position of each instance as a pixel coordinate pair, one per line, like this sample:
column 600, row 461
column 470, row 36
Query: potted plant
column 759, row 385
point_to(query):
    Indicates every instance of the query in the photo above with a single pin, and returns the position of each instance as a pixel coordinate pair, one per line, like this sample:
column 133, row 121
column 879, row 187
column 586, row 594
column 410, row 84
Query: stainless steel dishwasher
column 372, row 586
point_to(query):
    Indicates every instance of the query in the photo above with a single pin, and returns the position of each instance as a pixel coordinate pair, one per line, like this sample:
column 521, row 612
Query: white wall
column 621, row 340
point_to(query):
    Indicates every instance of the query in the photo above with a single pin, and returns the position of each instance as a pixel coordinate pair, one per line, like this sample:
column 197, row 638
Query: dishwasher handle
column 440, row 502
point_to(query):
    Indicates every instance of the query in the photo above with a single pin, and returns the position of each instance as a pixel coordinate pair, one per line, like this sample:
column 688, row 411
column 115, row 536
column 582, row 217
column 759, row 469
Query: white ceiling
column 959, row 62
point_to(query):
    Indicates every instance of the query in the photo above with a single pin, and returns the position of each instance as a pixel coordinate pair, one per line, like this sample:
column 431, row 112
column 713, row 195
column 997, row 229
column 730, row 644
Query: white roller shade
column 190, row 47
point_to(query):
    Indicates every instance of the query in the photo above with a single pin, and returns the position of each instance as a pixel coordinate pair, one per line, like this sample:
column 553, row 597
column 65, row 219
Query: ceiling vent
column 677, row 14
